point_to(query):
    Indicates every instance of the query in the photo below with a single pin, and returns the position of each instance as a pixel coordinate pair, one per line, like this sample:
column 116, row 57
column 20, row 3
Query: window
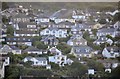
column 47, row 31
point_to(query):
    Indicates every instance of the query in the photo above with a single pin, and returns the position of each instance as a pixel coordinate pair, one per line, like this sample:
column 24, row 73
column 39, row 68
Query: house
column 77, row 40
column 33, row 50
column 20, row 17
column 82, row 51
column 19, row 41
column 103, row 39
column 16, row 50
column 4, row 61
column 50, row 40
column 80, row 27
column 5, row 49
column 28, row 26
column 111, row 52
column 79, row 15
column 106, row 31
column 22, row 33
column 91, row 71
column 62, row 15
column 65, row 25
column 55, row 51
column 42, row 18
column 36, row 61
column 109, row 64
column 60, row 33
column 61, row 60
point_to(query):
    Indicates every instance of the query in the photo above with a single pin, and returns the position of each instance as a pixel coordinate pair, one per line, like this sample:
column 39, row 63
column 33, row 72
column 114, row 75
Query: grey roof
column 65, row 23
column 46, row 38
column 82, row 49
column 53, row 28
column 19, row 39
column 102, row 39
column 20, row 15
column 114, row 48
column 24, row 24
column 103, row 30
column 31, row 48
column 81, row 26
column 26, row 32
column 14, row 48
column 38, row 58
column 41, row 58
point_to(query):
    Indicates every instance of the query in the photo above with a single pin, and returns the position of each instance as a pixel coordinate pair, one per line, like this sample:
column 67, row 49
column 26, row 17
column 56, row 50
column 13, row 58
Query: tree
column 4, row 6
column 116, row 17
column 102, row 21
column 64, row 48
column 40, row 45
column 10, row 30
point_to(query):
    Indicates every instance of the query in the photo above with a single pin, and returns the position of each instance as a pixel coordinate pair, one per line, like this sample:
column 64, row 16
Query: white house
column 60, row 33
column 55, row 51
column 61, row 60
column 37, row 61
column 111, row 52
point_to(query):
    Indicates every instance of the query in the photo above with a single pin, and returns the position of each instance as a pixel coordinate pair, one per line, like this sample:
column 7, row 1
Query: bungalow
column 82, row 51
column 36, row 61
column 19, row 41
column 106, row 31
column 33, row 50
column 28, row 26
column 77, row 40
column 22, row 33
column 60, row 33
column 50, row 40
column 111, row 52
column 103, row 39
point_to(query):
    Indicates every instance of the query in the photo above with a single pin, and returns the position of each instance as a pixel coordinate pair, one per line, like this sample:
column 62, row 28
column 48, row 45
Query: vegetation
column 64, row 46
column 4, row 6
column 10, row 31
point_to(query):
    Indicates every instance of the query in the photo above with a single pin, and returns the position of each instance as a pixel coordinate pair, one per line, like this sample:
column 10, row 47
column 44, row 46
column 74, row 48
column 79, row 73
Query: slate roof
column 82, row 49
column 37, row 58
column 20, row 15
column 114, row 48
column 104, row 30
column 14, row 48
column 26, row 32
column 31, row 48
column 19, row 39
column 81, row 26
column 24, row 25
column 102, row 39
column 46, row 38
